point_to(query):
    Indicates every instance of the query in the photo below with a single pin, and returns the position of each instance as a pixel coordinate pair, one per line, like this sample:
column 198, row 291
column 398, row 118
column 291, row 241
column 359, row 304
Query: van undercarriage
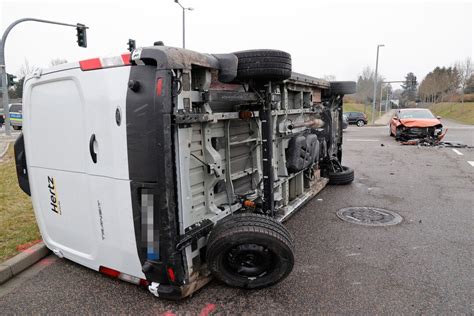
column 221, row 149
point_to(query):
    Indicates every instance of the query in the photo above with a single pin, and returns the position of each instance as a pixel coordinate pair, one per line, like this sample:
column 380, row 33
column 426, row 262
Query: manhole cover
column 371, row 216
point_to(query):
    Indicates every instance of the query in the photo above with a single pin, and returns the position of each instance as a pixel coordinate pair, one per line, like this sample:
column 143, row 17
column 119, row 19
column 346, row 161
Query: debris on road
column 435, row 141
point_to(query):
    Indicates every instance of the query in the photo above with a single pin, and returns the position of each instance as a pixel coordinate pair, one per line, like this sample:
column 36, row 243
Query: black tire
column 346, row 176
column 360, row 123
column 343, row 87
column 16, row 128
column 390, row 130
column 263, row 65
column 243, row 219
column 250, row 251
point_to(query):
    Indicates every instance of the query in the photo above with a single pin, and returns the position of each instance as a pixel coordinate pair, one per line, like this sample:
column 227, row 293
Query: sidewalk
column 5, row 140
column 384, row 119
column 3, row 148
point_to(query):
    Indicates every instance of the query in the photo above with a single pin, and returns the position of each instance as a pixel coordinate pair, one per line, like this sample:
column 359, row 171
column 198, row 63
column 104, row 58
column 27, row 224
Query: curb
column 5, row 151
column 22, row 261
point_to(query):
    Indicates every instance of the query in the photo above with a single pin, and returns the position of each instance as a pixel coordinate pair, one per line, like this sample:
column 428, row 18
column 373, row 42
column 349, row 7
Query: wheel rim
column 249, row 260
column 360, row 123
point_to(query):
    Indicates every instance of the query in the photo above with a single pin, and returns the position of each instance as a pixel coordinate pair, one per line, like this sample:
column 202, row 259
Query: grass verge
column 463, row 113
column 17, row 220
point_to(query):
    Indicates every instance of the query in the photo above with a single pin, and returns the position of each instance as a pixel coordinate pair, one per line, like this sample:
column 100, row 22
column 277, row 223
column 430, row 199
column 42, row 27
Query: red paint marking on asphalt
column 28, row 251
column 25, row 247
column 46, row 262
column 207, row 310
column 169, row 313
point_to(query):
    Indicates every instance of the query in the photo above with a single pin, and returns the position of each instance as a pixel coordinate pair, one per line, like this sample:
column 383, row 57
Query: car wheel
column 16, row 128
column 360, row 123
column 250, row 251
column 263, row 65
column 346, row 176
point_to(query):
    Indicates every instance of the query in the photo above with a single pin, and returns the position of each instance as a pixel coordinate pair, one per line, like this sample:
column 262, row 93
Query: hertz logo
column 54, row 201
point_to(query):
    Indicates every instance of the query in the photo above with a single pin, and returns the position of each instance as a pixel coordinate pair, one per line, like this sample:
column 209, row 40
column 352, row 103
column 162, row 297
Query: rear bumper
column 175, row 292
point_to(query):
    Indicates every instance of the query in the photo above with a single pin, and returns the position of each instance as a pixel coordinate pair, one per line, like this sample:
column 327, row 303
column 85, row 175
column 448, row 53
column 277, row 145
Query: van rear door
column 55, row 142
column 76, row 149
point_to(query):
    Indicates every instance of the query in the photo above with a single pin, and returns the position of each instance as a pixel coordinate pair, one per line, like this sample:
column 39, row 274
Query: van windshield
column 418, row 114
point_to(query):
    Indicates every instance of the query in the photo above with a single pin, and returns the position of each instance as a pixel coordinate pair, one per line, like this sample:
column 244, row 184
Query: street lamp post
column 184, row 21
column 3, row 70
column 375, row 82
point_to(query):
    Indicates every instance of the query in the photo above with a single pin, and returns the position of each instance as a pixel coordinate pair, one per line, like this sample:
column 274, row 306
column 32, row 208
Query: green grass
column 357, row 107
column 463, row 113
column 17, row 220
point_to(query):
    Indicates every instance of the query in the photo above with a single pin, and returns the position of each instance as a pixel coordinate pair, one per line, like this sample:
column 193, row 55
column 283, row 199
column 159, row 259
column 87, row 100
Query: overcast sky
column 323, row 37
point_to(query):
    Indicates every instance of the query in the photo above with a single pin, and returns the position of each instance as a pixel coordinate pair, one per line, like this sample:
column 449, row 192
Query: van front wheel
column 250, row 254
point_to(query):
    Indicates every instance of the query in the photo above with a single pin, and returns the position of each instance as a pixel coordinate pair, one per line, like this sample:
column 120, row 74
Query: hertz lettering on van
column 55, row 204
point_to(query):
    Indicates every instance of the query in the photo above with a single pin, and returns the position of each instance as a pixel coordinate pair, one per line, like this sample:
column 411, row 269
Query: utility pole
column 375, row 82
column 381, row 93
column 184, row 21
column 81, row 28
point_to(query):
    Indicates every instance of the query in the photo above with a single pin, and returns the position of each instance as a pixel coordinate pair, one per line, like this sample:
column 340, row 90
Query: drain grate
column 370, row 216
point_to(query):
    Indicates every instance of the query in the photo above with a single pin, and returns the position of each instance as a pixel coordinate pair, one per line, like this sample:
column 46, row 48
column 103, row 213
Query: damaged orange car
column 415, row 123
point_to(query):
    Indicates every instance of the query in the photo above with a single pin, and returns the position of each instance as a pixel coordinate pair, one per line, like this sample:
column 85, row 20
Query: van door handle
column 91, row 148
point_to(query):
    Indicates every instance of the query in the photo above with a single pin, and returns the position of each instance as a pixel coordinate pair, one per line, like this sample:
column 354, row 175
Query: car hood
column 420, row 122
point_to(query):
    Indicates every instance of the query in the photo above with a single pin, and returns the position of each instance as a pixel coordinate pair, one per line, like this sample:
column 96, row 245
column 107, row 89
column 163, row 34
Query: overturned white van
column 166, row 166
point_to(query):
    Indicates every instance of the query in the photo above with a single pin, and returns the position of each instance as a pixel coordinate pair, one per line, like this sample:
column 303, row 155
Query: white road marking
column 353, row 254
column 362, row 140
column 471, row 163
column 457, row 152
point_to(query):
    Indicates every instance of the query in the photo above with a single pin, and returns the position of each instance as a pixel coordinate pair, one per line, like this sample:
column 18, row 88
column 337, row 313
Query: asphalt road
column 422, row 266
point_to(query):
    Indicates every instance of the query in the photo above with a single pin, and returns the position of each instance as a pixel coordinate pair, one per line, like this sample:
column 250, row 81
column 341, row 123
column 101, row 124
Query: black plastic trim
column 21, row 167
column 151, row 165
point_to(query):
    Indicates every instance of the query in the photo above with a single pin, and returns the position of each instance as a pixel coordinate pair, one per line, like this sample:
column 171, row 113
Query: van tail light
column 171, row 275
column 105, row 62
column 122, row 276
column 159, row 86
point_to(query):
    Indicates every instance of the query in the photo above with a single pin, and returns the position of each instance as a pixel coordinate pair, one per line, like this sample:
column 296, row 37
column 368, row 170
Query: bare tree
column 26, row 69
column 57, row 61
column 365, row 86
column 465, row 72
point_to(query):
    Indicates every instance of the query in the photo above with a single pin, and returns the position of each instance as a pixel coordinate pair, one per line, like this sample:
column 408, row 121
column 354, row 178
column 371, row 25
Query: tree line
column 437, row 86
column 444, row 82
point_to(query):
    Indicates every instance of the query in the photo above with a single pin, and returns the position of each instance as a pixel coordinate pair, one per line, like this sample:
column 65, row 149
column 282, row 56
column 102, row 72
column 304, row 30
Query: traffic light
column 10, row 80
column 131, row 45
column 81, row 35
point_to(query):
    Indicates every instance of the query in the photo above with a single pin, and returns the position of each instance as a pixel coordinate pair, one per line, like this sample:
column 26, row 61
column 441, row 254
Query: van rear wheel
column 252, row 251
